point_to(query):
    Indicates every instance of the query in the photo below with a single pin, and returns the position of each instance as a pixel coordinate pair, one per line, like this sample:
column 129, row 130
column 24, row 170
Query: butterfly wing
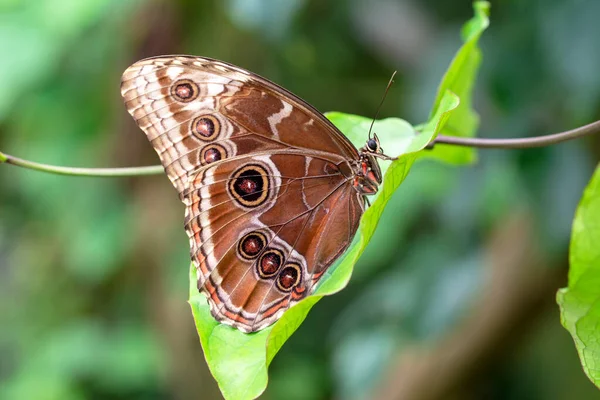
column 266, row 180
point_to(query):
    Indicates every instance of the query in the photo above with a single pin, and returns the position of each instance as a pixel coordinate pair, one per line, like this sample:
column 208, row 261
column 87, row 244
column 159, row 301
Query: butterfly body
column 273, row 191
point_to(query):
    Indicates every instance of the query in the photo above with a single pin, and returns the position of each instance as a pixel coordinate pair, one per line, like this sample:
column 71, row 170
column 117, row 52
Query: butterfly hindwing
column 259, row 232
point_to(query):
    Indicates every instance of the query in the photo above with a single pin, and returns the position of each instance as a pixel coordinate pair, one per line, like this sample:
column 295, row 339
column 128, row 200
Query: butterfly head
column 367, row 177
column 373, row 146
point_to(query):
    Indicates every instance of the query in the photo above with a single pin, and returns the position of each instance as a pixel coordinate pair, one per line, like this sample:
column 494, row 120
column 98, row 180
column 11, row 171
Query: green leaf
column 580, row 301
column 460, row 78
column 239, row 361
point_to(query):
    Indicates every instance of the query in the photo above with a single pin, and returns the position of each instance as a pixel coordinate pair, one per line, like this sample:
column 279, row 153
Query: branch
column 512, row 300
column 95, row 172
column 520, row 143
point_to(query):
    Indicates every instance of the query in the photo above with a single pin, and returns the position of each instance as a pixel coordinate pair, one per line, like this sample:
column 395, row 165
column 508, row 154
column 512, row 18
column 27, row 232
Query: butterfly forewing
column 266, row 179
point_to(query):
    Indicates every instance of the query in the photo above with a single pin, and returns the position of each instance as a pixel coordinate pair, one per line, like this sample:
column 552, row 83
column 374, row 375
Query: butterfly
column 273, row 191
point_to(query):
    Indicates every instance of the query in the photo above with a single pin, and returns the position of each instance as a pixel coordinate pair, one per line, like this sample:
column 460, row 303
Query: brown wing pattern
column 266, row 180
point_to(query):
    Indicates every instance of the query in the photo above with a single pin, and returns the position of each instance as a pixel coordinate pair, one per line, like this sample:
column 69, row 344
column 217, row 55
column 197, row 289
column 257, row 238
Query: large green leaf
column 239, row 361
column 460, row 79
column 580, row 301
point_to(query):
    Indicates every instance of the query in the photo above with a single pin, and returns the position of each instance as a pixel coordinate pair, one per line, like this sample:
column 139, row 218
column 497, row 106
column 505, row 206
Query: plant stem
column 520, row 143
column 95, row 172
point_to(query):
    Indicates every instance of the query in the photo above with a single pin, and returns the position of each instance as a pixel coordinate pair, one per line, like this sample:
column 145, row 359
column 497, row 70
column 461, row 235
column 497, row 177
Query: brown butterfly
column 274, row 192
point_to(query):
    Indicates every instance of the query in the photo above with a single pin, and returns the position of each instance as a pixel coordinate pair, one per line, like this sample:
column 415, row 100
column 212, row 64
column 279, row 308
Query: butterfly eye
column 289, row 277
column 249, row 185
column 205, row 127
column 184, row 90
column 250, row 246
column 372, row 145
column 212, row 153
column 269, row 263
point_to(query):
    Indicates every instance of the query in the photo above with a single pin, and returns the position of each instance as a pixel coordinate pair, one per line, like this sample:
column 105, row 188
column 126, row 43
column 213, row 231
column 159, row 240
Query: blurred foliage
column 92, row 271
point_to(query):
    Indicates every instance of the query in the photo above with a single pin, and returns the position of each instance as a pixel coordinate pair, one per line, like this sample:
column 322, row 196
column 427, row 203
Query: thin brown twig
column 518, row 143
column 89, row 172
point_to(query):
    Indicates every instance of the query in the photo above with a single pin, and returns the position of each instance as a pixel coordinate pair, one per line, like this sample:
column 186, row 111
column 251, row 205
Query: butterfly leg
column 384, row 157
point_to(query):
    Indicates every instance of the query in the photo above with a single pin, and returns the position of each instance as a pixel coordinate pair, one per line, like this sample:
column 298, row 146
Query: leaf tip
column 478, row 23
column 482, row 7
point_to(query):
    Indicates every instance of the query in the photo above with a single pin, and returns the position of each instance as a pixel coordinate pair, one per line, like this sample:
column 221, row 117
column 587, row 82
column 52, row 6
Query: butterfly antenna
column 382, row 99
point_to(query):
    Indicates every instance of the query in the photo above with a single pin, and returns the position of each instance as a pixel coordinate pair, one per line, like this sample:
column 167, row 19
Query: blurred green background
column 453, row 299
